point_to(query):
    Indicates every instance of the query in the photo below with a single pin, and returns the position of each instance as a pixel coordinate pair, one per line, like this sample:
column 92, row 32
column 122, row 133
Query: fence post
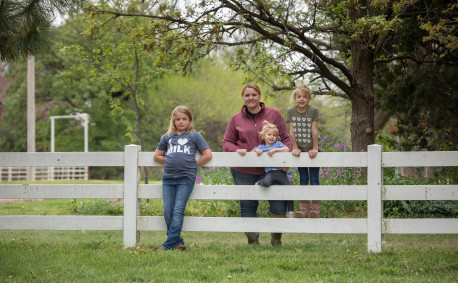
column 131, row 204
column 374, row 198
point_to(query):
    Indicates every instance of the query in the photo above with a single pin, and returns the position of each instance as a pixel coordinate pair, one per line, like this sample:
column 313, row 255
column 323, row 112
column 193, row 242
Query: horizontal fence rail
column 71, row 159
column 374, row 192
column 59, row 191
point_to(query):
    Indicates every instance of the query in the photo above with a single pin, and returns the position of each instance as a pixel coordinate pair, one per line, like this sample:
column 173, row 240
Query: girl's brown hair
column 266, row 126
column 185, row 110
column 301, row 89
column 253, row 86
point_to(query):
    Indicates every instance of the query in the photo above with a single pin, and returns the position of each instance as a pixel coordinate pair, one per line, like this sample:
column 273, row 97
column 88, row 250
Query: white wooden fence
column 44, row 173
column 132, row 223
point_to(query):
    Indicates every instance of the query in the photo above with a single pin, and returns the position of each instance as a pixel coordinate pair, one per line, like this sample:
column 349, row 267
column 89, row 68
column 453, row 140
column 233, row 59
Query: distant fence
column 43, row 173
column 375, row 226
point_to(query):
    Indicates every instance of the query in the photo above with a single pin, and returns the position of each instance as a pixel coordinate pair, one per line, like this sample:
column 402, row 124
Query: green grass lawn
column 98, row 256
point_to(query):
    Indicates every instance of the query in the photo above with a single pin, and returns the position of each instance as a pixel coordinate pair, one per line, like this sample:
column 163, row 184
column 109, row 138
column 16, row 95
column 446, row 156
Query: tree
column 336, row 44
column 211, row 92
column 57, row 96
column 423, row 96
column 125, row 59
column 25, row 26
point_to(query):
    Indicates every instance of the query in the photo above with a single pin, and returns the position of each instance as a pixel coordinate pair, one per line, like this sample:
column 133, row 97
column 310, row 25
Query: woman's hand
column 296, row 152
column 242, row 152
column 313, row 153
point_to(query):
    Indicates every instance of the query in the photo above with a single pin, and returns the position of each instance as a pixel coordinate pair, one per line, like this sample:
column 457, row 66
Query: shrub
column 95, row 207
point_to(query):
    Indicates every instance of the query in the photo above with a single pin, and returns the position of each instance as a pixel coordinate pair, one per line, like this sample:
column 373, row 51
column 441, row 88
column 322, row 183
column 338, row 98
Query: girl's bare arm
column 206, row 155
column 314, row 151
column 296, row 151
column 159, row 156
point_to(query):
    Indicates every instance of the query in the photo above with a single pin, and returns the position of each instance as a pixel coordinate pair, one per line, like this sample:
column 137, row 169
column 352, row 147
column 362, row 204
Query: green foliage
column 215, row 176
column 212, row 93
column 388, row 142
column 25, row 26
column 443, row 30
column 427, row 97
column 95, row 207
column 422, row 96
column 151, row 207
column 420, row 209
column 118, row 60
column 57, row 96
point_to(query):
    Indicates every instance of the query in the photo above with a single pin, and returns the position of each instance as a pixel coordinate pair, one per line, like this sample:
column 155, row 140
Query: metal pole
column 31, row 112
column 52, row 134
column 86, row 145
column 85, row 122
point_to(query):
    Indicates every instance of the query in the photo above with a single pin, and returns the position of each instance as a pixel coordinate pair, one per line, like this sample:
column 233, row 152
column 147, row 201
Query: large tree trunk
column 361, row 91
column 362, row 97
column 362, row 122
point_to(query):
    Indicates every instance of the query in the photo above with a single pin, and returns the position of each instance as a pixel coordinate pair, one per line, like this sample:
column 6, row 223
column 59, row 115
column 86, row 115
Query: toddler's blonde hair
column 266, row 126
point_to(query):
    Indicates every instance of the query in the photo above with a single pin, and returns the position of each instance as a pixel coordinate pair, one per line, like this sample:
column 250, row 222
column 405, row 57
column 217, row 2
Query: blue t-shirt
column 180, row 154
column 264, row 148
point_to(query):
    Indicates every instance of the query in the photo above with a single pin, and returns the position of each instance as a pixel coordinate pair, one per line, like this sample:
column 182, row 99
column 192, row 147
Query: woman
column 242, row 135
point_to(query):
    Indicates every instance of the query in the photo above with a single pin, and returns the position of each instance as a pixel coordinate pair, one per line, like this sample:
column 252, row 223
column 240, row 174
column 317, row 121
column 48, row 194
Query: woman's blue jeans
column 249, row 208
column 175, row 195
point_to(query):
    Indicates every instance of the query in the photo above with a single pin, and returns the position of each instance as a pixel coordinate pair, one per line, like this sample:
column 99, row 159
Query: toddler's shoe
column 300, row 214
column 290, row 214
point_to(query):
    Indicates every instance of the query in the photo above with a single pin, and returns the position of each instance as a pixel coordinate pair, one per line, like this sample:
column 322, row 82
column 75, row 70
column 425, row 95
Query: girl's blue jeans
column 307, row 174
column 175, row 195
column 249, row 208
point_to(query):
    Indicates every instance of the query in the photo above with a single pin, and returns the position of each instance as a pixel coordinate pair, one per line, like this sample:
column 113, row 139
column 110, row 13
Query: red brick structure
column 4, row 82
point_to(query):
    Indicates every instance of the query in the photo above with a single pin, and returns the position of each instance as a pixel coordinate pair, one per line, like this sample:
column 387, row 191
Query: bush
column 95, row 207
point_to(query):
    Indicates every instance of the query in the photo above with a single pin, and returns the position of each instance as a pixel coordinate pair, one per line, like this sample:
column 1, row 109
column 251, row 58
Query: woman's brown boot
column 276, row 237
column 253, row 238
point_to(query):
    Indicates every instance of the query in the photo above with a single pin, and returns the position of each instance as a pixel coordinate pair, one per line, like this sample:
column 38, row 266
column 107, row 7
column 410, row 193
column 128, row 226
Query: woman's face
column 251, row 98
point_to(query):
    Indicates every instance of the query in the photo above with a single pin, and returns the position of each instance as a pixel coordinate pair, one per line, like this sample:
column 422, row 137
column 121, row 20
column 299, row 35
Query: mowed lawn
column 99, row 256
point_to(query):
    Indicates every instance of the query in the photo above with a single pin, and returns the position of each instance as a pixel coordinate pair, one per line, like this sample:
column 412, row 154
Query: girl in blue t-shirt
column 274, row 176
column 176, row 151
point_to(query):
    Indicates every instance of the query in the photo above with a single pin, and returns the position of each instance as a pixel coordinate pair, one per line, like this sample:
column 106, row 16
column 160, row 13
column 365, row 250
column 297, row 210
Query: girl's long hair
column 301, row 89
column 185, row 110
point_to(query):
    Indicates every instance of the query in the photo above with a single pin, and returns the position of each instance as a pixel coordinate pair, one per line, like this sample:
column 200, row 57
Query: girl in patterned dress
column 303, row 124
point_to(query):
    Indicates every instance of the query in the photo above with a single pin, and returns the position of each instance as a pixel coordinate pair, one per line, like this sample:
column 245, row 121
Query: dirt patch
column 17, row 200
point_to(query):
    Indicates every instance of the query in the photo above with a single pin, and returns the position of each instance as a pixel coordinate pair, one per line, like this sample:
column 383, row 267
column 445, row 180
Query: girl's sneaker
column 290, row 214
column 300, row 214
column 314, row 213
